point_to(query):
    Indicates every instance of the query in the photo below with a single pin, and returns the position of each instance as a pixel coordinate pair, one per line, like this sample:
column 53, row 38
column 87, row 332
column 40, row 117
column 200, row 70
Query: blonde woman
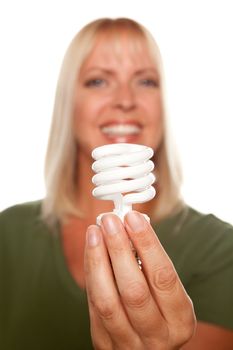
column 67, row 283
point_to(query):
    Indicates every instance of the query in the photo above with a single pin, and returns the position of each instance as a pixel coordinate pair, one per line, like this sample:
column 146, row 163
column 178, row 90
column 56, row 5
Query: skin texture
column 129, row 308
column 110, row 88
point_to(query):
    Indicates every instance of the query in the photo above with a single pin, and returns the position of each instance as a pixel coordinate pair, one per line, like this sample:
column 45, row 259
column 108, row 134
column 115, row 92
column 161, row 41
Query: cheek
column 83, row 119
column 153, row 106
column 88, row 108
column 157, row 119
column 154, row 130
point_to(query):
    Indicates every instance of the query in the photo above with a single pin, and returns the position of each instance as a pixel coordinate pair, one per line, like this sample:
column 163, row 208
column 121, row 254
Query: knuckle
column 190, row 330
column 190, row 321
column 117, row 245
column 105, row 308
column 136, row 295
column 189, row 317
column 146, row 240
column 165, row 278
column 185, row 333
column 100, row 340
column 186, row 326
column 118, row 250
column 101, row 345
column 92, row 263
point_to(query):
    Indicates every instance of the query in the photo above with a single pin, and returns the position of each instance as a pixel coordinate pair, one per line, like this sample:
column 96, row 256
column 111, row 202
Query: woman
column 58, row 266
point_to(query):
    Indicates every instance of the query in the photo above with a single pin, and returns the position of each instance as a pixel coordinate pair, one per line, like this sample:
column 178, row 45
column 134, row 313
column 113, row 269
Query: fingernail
column 135, row 221
column 93, row 236
column 111, row 224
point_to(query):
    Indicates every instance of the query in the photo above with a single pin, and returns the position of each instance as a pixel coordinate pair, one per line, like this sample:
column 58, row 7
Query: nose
column 124, row 97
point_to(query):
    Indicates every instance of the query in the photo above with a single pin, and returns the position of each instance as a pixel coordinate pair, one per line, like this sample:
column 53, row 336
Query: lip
column 121, row 122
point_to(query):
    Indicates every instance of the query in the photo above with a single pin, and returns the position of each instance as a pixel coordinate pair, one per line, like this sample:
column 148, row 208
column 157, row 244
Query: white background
column 196, row 41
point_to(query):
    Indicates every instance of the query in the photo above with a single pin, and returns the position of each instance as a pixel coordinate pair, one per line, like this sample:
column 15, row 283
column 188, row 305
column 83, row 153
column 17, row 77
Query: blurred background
column 195, row 39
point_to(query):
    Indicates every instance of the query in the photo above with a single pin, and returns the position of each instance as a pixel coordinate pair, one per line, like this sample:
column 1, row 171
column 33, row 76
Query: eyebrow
column 112, row 72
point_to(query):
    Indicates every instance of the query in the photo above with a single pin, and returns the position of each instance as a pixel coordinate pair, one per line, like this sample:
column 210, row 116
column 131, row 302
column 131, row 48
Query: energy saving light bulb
column 123, row 175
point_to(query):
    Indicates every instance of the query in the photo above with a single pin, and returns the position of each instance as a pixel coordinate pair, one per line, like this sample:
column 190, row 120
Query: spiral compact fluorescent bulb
column 122, row 168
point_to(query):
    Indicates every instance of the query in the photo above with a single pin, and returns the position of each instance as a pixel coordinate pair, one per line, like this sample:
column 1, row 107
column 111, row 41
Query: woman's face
column 118, row 97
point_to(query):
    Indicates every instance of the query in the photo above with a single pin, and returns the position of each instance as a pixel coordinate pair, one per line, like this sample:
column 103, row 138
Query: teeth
column 121, row 129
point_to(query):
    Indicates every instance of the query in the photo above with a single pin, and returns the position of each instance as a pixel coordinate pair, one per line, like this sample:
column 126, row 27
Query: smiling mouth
column 121, row 130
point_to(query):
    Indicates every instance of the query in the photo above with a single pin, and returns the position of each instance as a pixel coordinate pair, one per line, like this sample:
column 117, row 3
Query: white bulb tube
column 122, row 168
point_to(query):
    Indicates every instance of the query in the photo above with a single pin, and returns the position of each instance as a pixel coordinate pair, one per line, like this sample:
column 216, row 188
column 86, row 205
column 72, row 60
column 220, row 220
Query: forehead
column 123, row 48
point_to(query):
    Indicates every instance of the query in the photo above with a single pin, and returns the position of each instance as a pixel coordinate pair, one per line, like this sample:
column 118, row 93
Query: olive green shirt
column 41, row 306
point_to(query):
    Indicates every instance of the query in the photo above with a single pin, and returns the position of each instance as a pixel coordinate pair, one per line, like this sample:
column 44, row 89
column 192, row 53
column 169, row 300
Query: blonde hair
column 60, row 162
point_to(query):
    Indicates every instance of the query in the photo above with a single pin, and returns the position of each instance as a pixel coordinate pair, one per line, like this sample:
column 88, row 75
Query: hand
column 132, row 308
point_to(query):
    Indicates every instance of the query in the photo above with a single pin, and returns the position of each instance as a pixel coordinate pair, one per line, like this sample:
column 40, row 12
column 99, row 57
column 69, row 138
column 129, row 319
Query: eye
column 149, row 82
column 94, row 82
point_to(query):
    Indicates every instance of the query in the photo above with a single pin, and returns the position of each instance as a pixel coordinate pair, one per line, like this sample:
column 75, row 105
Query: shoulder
column 23, row 234
column 194, row 225
column 21, row 210
column 191, row 229
column 204, row 240
column 21, row 213
column 211, row 237
column 20, row 219
column 205, row 222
